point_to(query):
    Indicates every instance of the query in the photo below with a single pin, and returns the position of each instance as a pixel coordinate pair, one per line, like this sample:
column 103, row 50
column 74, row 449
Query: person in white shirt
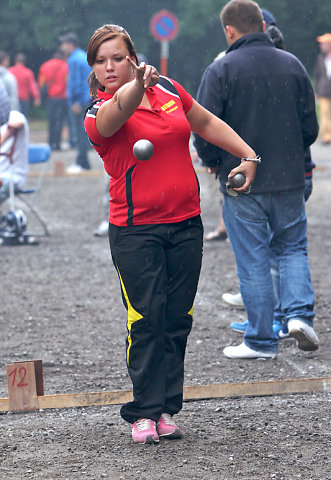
column 8, row 80
column 4, row 104
column 14, row 141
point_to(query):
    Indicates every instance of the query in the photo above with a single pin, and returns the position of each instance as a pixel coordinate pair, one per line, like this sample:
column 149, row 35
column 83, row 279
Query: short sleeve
column 185, row 97
column 90, row 125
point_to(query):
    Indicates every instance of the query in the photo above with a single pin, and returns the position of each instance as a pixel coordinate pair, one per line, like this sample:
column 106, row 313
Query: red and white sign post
column 164, row 27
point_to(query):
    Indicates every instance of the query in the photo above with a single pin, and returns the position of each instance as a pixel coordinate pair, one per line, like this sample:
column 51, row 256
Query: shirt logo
column 169, row 107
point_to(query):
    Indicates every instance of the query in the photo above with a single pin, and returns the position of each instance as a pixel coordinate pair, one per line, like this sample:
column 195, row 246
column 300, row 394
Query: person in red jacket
column 155, row 229
column 26, row 82
column 52, row 80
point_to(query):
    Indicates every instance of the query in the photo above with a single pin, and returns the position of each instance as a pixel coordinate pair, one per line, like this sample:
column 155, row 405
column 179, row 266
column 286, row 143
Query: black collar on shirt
column 250, row 38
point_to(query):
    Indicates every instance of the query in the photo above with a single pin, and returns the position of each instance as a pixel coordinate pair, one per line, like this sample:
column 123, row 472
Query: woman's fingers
column 151, row 76
column 145, row 73
column 131, row 61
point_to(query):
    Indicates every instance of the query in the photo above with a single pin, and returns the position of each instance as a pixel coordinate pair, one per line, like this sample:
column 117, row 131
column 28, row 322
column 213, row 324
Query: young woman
column 155, row 230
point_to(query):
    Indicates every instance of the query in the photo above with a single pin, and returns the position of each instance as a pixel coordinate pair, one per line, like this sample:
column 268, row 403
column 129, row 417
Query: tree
column 34, row 26
column 301, row 22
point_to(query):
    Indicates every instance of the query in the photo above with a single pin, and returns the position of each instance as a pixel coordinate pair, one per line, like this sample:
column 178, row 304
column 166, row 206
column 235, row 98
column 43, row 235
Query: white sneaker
column 73, row 169
column 65, row 146
column 242, row 351
column 102, row 230
column 304, row 334
column 234, row 300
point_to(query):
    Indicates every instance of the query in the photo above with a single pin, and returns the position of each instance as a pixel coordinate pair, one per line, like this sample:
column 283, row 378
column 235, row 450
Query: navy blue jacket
column 266, row 96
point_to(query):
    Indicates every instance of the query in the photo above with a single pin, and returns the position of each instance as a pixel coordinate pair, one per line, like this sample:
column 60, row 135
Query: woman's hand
column 147, row 75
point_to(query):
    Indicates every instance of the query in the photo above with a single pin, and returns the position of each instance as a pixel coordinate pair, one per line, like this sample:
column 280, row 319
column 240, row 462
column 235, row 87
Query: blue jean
column 24, row 107
column 274, row 267
column 256, row 223
column 57, row 113
column 82, row 140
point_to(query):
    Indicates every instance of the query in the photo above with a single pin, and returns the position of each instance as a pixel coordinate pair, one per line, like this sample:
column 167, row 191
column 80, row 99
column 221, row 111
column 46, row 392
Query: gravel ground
column 61, row 303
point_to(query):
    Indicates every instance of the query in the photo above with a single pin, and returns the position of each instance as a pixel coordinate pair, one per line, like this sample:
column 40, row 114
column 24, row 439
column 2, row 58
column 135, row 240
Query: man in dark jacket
column 266, row 96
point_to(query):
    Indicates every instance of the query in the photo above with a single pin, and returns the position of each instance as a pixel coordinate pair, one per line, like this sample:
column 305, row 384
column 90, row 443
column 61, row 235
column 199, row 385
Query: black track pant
column 158, row 267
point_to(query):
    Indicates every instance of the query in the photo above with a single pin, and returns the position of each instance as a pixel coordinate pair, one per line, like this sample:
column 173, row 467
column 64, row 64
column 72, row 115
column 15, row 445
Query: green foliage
column 33, row 27
column 301, row 22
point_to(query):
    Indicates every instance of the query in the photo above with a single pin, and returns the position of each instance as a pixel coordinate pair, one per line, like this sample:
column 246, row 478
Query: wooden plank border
column 254, row 389
column 199, row 392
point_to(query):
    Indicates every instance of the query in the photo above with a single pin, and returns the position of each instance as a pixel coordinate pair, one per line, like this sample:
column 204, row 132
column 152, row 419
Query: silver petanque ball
column 143, row 149
column 237, row 180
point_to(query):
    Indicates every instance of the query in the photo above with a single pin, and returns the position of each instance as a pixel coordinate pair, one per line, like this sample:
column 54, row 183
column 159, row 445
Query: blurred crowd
column 60, row 88
column 64, row 96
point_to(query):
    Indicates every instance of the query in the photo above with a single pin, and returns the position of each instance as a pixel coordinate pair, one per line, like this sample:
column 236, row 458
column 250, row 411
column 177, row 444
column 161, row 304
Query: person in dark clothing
column 280, row 328
column 265, row 94
column 272, row 30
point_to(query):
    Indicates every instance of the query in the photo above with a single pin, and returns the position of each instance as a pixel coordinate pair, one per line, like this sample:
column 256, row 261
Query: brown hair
column 102, row 34
column 244, row 15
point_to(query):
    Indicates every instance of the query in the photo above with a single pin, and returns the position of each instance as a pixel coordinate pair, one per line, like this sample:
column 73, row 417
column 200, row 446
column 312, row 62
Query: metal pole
column 164, row 57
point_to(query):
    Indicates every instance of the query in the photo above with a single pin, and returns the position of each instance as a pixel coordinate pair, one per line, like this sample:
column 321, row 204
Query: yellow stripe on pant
column 133, row 316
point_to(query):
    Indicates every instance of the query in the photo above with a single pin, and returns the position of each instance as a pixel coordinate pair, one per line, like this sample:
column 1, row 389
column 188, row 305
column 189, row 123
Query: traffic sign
column 164, row 26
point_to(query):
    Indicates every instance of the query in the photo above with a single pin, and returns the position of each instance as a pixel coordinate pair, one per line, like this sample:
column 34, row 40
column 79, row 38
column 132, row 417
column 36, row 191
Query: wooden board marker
column 22, row 398
column 25, row 383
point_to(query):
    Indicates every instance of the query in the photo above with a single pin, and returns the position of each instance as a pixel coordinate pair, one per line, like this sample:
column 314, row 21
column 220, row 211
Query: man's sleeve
column 4, row 105
column 309, row 123
column 71, row 81
column 211, row 97
column 77, row 83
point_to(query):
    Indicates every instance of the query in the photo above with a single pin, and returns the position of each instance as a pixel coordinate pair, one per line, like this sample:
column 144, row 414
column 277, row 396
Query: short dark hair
column 244, row 15
column 20, row 58
column 70, row 37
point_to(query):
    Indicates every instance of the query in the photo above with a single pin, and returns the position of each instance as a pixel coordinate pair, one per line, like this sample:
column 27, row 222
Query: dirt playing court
column 60, row 302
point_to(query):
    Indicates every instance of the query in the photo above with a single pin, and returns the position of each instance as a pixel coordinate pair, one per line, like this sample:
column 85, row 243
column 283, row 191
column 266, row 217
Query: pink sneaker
column 144, row 431
column 166, row 427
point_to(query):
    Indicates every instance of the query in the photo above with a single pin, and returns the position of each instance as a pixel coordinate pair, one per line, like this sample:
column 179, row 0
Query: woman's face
column 111, row 67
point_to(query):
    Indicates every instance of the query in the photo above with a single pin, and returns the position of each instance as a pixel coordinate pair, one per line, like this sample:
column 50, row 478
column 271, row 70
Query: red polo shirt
column 26, row 82
column 163, row 189
column 54, row 73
